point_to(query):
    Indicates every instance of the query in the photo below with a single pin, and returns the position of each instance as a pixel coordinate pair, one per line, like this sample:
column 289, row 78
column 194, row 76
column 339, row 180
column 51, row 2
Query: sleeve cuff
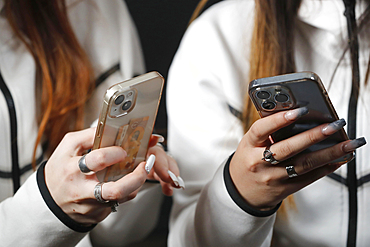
column 57, row 211
column 238, row 199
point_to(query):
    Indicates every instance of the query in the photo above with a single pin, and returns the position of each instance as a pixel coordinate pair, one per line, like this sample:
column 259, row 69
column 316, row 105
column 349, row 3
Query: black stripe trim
column 352, row 115
column 236, row 113
column 57, row 211
column 23, row 170
column 363, row 180
column 13, row 134
column 106, row 74
column 338, row 178
column 238, row 199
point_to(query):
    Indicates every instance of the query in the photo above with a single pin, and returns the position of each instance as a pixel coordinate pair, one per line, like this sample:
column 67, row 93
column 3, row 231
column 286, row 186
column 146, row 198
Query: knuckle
column 256, row 131
column 312, row 137
column 286, row 150
column 114, row 195
column 266, row 179
column 308, row 164
column 99, row 159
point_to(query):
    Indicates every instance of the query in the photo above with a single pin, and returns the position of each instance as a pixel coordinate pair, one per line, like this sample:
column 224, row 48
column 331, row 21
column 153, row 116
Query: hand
column 165, row 169
column 262, row 184
column 73, row 190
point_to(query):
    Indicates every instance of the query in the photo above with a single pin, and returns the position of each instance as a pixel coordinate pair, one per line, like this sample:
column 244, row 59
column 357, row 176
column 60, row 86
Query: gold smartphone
column 127, row 119
column 284, row 92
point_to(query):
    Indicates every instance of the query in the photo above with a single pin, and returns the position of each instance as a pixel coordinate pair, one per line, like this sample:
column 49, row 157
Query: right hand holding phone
column 74, row 191
column 264, row 183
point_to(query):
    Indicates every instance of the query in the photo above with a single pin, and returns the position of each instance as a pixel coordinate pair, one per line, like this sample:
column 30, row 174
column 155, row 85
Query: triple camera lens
column 270, row 104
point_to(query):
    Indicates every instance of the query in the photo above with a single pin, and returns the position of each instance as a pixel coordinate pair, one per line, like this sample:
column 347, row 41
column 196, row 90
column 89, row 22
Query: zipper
column 13, row 134
column 352, row 114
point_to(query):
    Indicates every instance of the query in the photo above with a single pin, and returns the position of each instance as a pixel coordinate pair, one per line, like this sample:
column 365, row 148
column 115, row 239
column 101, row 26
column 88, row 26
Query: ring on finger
column 99, row 198
column 269, row 156
column 82, row 165
column 291, row 171
column 98, row 193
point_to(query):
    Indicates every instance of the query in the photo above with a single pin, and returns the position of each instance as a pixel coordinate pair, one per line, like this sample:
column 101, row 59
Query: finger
column 285, row 149
column 122, row 189
column 162, row 163
column 79, row 141
column 293, row 185
column 101, row 158
column 264, row 127
column 166, row 189
column 154, row 139
column 308, row 162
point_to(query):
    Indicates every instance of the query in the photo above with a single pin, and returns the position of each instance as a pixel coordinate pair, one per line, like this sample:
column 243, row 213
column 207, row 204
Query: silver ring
column 82, row 165
column 98, row 192
column 291, row 171
column 269, row 156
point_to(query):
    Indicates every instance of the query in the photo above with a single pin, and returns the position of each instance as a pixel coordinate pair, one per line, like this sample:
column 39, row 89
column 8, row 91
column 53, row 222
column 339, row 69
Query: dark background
column 161, row 25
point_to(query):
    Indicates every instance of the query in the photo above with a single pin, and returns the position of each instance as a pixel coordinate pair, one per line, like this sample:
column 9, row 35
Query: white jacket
column 207, row 83
column 106, row 31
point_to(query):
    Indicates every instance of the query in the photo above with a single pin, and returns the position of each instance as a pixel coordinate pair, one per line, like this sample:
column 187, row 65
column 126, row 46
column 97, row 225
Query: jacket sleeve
column 207, row 79
column 26, row 220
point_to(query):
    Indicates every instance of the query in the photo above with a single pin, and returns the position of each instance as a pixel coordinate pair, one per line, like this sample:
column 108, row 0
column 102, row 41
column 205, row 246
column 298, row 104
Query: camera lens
column 126, row 105
column 119, row 99
column 268, row 105
column 263, row 95
column 281, row 97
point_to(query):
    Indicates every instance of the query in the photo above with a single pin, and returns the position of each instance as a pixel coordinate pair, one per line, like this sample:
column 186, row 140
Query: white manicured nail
column 160, row 138
column 149, row 163
column 181, row 182
column 173, row 177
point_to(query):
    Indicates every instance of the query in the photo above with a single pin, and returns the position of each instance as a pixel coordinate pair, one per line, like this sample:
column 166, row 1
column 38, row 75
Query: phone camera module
column 263, row 95
column 281, row 97
column 119, row 99
column 268, row 105
column 126, row 105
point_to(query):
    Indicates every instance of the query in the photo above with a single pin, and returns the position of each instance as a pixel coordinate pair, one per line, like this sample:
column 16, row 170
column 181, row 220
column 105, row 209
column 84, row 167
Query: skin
column 73, row 191
column 254, row 177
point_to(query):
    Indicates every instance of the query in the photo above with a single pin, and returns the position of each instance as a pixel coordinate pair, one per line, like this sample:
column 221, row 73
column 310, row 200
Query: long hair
column 63, row 70
column 271, row 45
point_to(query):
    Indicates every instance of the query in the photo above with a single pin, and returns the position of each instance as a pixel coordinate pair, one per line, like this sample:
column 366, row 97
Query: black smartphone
column 279, row 93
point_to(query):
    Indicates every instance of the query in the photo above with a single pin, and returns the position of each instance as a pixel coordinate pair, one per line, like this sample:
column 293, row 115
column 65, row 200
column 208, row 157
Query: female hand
column 165, row 169
column 262, row 184
column 73, row 191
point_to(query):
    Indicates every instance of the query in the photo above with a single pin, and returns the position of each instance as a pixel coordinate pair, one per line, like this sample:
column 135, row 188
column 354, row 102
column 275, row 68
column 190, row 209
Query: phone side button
column 98, row 131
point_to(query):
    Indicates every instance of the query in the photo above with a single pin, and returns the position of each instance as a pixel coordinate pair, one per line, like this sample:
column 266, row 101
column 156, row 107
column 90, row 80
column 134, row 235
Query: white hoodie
column 208, row 77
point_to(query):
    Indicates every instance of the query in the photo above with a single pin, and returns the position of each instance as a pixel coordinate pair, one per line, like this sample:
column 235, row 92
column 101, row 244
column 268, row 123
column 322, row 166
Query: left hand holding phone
column 264, row 183
column 75, row 192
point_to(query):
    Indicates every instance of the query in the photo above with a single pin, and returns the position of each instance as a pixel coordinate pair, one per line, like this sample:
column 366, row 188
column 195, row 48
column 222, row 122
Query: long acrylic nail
column 160, row 138
column 296, row 113
column 181, row 182
column 173, row 177
column 333, row 127
column 149, row 163
column 354, row 144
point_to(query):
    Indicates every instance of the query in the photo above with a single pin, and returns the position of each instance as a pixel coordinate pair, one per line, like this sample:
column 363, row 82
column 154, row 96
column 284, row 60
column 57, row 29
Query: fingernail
column 333, row 127
column 149, row 163
column 296, row 113
column 354, row 144
column 160, row 138
column 173, row 177
column 181, row 182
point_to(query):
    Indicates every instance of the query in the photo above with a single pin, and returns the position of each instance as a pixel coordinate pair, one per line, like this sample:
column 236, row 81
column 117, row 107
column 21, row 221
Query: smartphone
column 279, row 93
column 127, row 119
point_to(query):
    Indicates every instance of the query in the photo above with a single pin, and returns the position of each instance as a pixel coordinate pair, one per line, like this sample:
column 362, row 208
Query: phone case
column 283, row 92
column 127, row 119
